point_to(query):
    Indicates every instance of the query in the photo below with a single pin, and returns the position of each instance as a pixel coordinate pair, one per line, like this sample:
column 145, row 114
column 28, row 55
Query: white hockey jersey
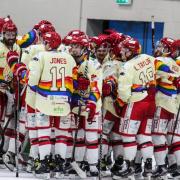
column 93, row 93
column 30, row 52
column 5, row 72
column 135, row 76
column 110, row 73
column 178, row 95
column 166, row 71
column 64, row 48
column 52, row 74
column 27, row 56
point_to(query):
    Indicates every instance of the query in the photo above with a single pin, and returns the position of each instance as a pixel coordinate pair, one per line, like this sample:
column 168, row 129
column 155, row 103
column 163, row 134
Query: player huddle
column 79, row 98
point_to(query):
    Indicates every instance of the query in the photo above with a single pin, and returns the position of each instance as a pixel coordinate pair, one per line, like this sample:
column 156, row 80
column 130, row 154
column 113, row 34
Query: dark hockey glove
column 106, row 89
column 12, row 58
column 83, row 83
column 118, row 108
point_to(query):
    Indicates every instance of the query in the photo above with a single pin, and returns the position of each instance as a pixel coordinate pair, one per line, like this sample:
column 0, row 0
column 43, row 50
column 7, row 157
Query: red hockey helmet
column 99, row 41
column 81, row 40
column 175, row 45
column 103, row 37
column 67, row 40
column 116, row 50
column 110, row 31
column 95, row 40
column 53, row 39
column 175, row 49
column 76, row 33
column 9, row 26
column 1, row 24
column 132, row 45
column 36, row 26
column 127, row 37
column 7, row 19
column 167, row 42
column 44, row 28
column 3, row 21
column 115, row 38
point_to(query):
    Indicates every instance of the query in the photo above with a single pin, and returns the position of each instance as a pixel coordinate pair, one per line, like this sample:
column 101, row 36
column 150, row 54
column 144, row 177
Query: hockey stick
column 6, row 123
column 2, row 131
column 100, row 147
column 75, row 166
column 153, row 33
column 175, row 126
column 17, row 122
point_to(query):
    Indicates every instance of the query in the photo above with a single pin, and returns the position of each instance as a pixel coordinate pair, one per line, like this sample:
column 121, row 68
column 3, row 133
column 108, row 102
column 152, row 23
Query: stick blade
column 79, row 171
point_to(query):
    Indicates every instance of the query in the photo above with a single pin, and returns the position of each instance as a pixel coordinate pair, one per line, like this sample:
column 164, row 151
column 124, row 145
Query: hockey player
column 115, row 39
column 175, row 51
column 135, row 77
column 27, row 114
column 166, row 106
column 30, row 100
column 32, row 125
column 111, row 120
column 65, row 46
column 51, row 74
column 175, row 54
column 7, row 101
column 88, row 86
column 99, row 51
column 33, row 36
column 102, row 49
column 2, row 22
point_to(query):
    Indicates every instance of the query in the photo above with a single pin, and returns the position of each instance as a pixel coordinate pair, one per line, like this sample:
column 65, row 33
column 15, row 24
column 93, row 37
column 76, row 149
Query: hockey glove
column 177, row 83
column 83, row 83
column 91, row 109
column 18, row 70
column 118, row 108
column 106, row 89
column 12, row 58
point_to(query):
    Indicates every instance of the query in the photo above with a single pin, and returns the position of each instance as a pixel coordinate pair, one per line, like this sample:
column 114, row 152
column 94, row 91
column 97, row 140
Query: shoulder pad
column 127, row 66
column 137, row 56
column 160, row 58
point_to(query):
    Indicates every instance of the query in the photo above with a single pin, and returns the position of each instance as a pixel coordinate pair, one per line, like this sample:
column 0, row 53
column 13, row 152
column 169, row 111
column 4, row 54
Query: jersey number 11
column 55, row 72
